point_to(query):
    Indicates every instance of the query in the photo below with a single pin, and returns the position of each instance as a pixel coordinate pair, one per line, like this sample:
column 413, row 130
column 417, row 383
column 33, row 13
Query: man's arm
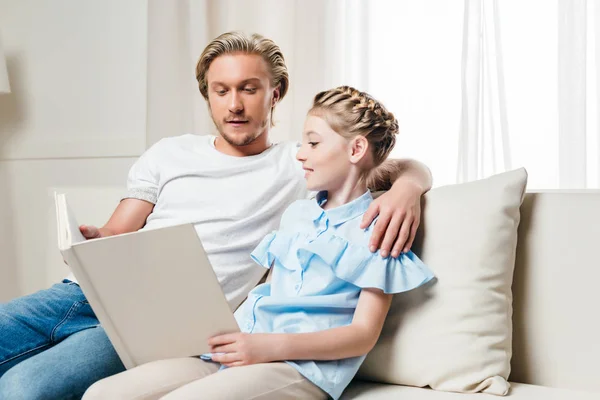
column 399, row 209
column 390, row 171
column 129, row 216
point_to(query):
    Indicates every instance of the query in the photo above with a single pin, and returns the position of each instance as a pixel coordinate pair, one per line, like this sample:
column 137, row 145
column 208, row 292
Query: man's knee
column 21, row 384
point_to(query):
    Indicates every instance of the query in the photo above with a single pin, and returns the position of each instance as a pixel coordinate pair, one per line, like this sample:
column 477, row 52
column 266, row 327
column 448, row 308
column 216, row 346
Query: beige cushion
column 518, row 391
column 455, row 334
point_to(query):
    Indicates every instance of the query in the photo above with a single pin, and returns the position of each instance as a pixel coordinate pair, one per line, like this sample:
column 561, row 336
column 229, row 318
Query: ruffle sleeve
column 357, row 265
column 276, row 245
column 261, row 254
column 349, row 261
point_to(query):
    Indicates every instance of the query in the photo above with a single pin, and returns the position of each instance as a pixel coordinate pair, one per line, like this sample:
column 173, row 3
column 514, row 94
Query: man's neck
column 259, row 145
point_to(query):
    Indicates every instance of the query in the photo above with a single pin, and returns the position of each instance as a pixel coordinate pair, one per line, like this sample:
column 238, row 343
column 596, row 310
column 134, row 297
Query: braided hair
column 351, row 112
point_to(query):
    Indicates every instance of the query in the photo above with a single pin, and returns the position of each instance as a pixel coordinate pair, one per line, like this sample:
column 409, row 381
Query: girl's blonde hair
column 239, row 42
column 351, row 112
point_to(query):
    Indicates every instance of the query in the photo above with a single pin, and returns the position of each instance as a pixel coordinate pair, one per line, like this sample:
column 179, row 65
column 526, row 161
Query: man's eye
column 221, row 92
column 313, row 144
column 250, row 89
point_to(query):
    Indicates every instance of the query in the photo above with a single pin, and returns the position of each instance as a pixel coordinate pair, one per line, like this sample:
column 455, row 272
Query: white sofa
column 556, row 326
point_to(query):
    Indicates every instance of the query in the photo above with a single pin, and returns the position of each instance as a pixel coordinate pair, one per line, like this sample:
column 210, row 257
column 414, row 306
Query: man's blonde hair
column 239, row 42
column 350, row 112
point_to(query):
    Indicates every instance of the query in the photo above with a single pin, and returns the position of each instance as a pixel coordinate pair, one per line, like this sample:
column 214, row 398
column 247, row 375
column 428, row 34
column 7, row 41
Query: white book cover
column 154, row 291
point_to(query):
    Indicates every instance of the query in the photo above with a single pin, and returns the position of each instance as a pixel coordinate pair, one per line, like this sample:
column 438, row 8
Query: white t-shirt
column 233, row 201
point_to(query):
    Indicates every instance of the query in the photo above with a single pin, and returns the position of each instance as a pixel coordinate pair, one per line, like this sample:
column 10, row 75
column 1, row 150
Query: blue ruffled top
column 321, row 261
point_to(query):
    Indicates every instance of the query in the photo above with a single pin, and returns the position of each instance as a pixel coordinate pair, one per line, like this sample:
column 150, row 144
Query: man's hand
column 242, row 348
column 90, row 232
column 130, row 215
column 399, row 213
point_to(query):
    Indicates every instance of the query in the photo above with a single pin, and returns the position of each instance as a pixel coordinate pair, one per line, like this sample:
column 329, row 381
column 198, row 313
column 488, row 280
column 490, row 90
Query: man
column 233, row 187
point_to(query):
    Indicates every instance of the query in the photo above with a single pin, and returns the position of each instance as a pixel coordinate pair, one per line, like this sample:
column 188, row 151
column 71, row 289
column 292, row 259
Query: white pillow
column 455, row 334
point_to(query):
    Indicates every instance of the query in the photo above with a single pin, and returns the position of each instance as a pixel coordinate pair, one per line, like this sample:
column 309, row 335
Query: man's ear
column 276, row 96
column 359, row 146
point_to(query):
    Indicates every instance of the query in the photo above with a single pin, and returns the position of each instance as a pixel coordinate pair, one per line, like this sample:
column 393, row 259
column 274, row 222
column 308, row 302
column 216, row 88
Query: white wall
column 74, row 122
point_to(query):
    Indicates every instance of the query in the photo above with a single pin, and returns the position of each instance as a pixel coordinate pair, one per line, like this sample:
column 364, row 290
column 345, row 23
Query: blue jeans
column 52, row 346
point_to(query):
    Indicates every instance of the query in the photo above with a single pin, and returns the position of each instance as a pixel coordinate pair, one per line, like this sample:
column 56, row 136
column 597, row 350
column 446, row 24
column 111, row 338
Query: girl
column 325, row 302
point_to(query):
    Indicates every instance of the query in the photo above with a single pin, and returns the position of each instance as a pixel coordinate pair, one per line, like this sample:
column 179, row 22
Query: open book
column 153, row 291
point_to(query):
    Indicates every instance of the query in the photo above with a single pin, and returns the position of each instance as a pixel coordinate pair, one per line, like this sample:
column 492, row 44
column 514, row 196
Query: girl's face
column 324, row 154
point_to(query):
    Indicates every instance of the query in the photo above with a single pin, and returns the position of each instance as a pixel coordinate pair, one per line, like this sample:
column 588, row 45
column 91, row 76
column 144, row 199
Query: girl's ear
column 358, row 148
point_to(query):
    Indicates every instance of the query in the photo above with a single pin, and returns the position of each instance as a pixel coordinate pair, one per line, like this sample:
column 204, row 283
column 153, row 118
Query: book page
column 61, row 231
column 67, row 224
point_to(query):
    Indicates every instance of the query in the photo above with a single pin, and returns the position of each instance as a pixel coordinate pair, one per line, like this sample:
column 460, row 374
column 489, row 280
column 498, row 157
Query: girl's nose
column 300, row 155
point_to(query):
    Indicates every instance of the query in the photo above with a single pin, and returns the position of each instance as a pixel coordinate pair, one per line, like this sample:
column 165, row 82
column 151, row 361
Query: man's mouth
column 237, row 122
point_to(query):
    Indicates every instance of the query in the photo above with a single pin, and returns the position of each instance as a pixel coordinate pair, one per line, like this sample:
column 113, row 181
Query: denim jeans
column 52, row 346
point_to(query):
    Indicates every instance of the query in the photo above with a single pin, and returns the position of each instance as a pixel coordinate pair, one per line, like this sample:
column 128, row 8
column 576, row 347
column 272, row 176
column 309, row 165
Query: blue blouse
column 321, row 260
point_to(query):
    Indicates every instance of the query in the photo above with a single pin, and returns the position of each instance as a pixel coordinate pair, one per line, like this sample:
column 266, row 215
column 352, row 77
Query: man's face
column 240, row 97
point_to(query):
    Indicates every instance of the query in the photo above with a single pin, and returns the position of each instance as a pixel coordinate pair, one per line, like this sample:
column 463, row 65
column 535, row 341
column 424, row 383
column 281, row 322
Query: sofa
column 552, row 328
column 550, row 266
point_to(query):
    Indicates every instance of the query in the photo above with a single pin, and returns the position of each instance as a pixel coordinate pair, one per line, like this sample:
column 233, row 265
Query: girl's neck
column 351, row 189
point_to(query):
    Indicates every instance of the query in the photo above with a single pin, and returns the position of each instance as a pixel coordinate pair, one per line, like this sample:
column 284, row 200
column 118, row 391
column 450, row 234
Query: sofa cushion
column 555, row 289
column 519, row 391
column 455, row 334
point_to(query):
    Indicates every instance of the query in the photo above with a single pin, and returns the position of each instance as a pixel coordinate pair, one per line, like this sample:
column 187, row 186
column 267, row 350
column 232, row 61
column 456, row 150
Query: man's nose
column 235, row 103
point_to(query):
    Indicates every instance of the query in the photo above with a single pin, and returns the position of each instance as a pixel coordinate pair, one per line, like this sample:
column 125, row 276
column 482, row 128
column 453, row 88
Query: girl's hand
column 399, row 211
column 242, row 348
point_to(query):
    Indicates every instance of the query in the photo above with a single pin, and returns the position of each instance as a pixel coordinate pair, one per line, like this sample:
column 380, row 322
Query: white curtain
column 594, row 106
column 572, row 30
column 484, row 145
column 553, row 90
column 482, row 86
column 317, row 38
column 553, row 86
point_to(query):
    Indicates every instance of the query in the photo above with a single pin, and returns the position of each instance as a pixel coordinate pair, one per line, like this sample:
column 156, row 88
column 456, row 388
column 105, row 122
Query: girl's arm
column 352, row 340
column 356, row 339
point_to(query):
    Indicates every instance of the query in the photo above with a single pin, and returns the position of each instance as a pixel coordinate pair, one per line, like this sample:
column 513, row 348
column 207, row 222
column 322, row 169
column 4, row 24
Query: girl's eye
column 313, row 144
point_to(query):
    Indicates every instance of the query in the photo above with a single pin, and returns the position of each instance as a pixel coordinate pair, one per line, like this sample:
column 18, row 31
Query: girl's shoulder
column 351, row 231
